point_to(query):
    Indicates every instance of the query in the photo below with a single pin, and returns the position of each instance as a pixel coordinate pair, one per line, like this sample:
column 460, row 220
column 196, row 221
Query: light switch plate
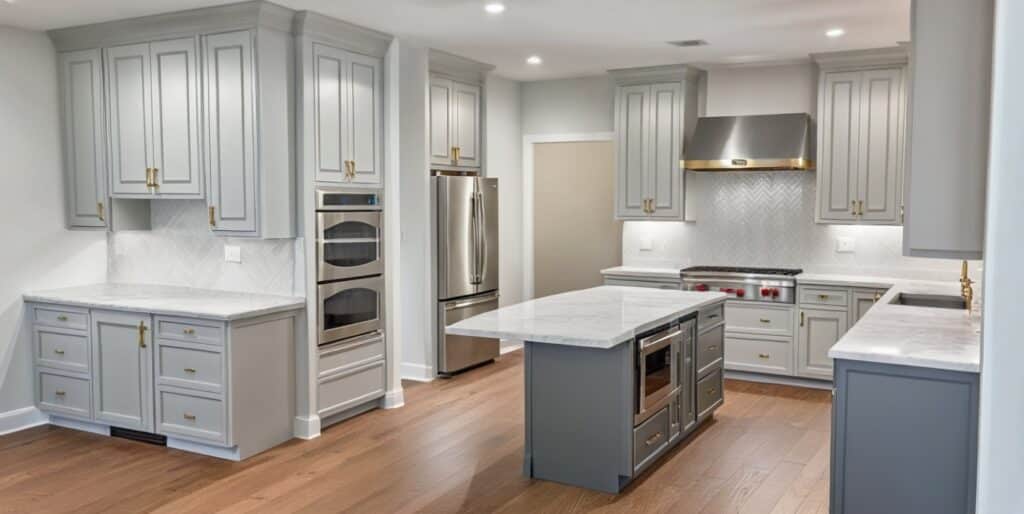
column 844, row 245
column 232, row 253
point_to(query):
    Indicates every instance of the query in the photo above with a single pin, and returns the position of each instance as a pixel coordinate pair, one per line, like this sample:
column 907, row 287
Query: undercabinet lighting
column 534, row 60
column 835, row 32
column 495, row 7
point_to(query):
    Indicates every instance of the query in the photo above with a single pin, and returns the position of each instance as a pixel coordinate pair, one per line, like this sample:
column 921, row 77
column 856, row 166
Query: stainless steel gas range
column 776, row 285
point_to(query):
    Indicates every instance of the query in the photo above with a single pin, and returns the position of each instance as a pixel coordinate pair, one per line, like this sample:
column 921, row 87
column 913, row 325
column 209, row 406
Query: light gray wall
column 39, row 253
column 568, row 106
column 769, row 89
column 504, row 154
column 1000, row 446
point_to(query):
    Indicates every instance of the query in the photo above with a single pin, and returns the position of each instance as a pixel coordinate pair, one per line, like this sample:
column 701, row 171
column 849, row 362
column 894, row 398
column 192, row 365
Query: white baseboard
column 510, row 346
column 20, row 419
column 204, row 449
column 775, row 379
column 394, row 399
column 306, row 428
column 418, row 372
column 85, row 426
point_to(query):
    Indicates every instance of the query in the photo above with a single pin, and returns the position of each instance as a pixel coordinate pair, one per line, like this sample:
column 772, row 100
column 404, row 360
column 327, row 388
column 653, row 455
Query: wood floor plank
column 456, row 447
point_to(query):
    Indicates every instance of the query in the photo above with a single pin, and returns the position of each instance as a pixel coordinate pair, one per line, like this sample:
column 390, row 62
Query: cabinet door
column 123, row 369
column 881, row 140
column 175, row 114
column 330, row 76
column 838, row 143
column 819, row 330
column 230, row 126
column 863, row 299
column 666, row 141
column 632, row 122
column 366, row 117
column 129, row 123
column 466, row 123
column 441, row 101
column 85, row 163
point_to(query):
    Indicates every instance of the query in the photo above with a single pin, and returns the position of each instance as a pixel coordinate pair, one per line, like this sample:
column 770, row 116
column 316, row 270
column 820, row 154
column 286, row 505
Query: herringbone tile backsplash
column 181, row 251
column 767, row 219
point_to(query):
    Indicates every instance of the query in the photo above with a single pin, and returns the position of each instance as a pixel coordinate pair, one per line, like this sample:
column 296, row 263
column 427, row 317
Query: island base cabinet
column 904, row 439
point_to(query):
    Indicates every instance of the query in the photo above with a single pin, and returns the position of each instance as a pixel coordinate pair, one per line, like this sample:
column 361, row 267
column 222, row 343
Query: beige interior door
column 575, row 233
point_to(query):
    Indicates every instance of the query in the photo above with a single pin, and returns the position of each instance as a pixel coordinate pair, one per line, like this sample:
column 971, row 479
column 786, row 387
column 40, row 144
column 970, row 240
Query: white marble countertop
column 926, row 337
column 169, row 300
column 600, row 317
column 642, row 272
column 842, row 280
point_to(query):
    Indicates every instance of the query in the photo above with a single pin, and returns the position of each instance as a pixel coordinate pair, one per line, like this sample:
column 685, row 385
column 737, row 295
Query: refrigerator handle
column 474, row 277
column 482, row 222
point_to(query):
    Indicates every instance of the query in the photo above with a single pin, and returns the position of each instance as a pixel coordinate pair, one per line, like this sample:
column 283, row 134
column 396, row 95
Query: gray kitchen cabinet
column 904, row 439
column 122, row 362
column 861, row 300
column 947, row 161
column 84, row 149
column 861, row 136
column 455, row 123
column 349, row 99
column 153, row 119
column 655, row 112
column 819, row 329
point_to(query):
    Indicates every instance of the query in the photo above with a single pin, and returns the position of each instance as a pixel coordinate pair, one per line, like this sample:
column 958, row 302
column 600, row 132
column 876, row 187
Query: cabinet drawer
column 710, row 315
column 753, row 318
column 353, row 352
column 194, row 367
column 61, row 349
column 64, row 394
column 824, row 296
column 709, row 349
column 759, row 355
column 350, row 388
column 191, row 416
column 650, row 438
column 190, row 330
column 709, row 393
column 56, row 317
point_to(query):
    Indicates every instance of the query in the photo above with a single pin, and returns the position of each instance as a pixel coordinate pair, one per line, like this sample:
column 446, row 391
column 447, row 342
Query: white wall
column 1000, row 446
column 767, row 89
column 504, row 154
column 39, row 253
column 568, row 106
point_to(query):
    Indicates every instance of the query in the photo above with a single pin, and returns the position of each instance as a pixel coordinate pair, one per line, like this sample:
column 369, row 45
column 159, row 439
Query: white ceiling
column 574, row 37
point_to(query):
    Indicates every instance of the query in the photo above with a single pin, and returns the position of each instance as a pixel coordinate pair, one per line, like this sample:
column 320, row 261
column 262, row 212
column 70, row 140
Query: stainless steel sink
column 930, row 300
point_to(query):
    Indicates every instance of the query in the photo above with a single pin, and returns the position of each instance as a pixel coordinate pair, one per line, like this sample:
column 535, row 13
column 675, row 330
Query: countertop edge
column 235, row 316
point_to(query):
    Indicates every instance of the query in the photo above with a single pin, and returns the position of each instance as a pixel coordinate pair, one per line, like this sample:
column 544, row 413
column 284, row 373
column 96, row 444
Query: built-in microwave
column 657, row 373
column 349, row 308
column 350, row 234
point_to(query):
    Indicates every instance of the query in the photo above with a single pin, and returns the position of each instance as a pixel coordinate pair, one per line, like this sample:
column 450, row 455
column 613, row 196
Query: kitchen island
column 614, row 376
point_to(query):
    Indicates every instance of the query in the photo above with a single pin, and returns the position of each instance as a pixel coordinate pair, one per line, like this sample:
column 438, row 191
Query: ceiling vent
column 688, row 43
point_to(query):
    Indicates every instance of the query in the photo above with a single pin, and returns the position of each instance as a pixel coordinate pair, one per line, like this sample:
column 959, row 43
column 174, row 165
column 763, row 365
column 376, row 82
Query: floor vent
column 135, row 435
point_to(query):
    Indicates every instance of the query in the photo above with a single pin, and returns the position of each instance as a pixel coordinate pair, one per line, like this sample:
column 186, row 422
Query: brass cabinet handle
column 801, row 318
column 764, row 355
column 823, row 297
column 149, row 178
column 156, row 185
column 190, row 417
column 58, row 351
column 190, row 370
column 712, row 316
column 860, row 207
column 62, row 317
column 651, row 440
column 142, row 334
column 99, row 211
column 711, row 392
column 189, row 331
column 213, row 220
column 59, row 393
column 763, row 320
column 712, row 347
column 878, row 296
column 853, row 207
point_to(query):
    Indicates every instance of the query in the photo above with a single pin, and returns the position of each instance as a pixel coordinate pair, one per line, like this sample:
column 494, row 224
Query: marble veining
column 599, row 317
column 908, row 335
column 169, row 300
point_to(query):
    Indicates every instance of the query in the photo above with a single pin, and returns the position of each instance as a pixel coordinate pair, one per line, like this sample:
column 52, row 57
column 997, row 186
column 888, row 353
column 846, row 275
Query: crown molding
column 648, row 74
column 458, row 67
column 895, row 55
column 341, row 33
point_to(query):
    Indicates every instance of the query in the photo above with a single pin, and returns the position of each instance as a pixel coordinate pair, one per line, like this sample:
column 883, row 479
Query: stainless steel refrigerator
column 467, row 272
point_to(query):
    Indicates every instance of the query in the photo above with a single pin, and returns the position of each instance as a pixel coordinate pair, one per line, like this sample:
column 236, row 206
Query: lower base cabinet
column 351, row 376
column 222, row 388
column 904, row 439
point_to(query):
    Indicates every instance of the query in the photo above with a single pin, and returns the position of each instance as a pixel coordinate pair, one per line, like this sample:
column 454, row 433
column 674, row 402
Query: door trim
column 528, row 141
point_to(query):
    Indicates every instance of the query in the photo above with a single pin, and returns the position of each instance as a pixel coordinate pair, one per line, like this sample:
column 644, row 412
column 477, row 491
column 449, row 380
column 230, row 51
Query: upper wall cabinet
column 342, row 116
column 84, row 152
column 195, row 104
column 456, row 114
column 951, row 62
column 861, row 133
column 655, row 113
column 153, row 119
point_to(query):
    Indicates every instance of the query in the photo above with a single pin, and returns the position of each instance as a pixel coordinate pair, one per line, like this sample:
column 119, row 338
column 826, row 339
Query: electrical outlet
column 232, row 253
column 844, row 245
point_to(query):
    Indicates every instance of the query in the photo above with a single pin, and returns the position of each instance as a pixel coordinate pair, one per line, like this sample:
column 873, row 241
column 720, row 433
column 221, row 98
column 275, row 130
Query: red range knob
column 701, row 287
column 765, row 291
column 775, row 293
column 741, row 293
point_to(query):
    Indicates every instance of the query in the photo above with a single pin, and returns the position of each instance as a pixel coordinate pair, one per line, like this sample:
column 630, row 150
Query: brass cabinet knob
column 189, row 331
column 59, row 393
column 764, row 355
column 878, row 296
column 190, row 370
column 58, row 351
column 62, row 317
column 190, row 417
column 823, row 297
column 711, row 392
column 763, row 320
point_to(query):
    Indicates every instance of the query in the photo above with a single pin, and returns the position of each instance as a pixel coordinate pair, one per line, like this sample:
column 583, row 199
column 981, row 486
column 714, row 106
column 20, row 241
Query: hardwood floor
column 455, row 447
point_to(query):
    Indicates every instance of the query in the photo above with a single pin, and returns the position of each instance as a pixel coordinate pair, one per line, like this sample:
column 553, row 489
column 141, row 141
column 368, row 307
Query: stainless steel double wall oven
column 350, row 265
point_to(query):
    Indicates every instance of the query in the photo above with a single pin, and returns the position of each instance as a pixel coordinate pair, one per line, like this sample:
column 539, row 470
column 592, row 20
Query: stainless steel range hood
column 747, row 143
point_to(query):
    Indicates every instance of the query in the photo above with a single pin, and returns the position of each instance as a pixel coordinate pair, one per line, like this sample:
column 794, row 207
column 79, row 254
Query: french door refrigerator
column 467, row 258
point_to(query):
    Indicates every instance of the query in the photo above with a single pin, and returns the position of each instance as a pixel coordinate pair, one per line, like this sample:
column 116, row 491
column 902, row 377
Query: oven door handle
column 661, row 342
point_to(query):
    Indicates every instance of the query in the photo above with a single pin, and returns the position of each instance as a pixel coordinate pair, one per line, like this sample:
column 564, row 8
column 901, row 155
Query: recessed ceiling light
column 495, row 7
column 836, row 32
column 534, row 60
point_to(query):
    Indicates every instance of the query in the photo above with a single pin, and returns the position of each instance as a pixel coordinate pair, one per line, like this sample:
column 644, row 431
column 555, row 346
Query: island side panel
column 579, row 414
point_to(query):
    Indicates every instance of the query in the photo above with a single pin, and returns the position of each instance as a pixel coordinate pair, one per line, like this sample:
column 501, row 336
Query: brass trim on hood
column 747, row 164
